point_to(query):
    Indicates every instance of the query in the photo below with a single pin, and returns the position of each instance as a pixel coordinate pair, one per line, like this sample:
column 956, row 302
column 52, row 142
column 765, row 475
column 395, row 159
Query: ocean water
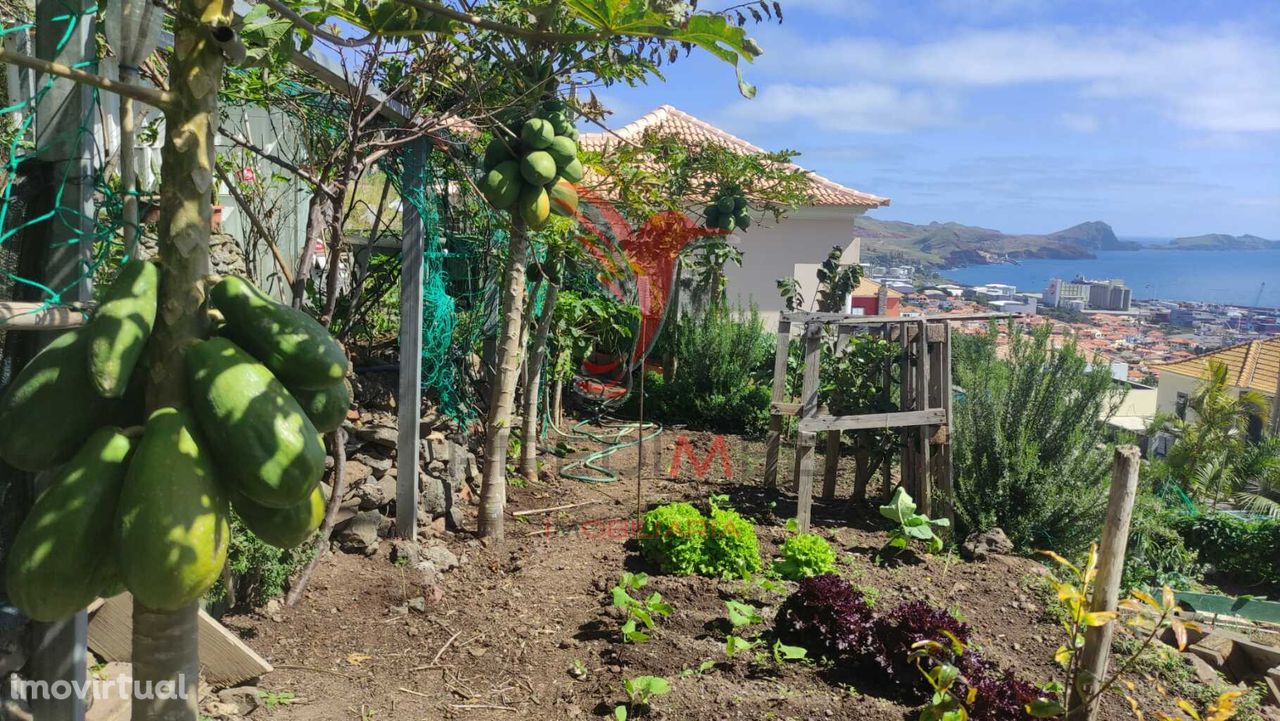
column 1211, row 276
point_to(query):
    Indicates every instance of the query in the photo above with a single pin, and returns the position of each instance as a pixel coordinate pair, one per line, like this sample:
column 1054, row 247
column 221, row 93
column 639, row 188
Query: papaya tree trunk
column 165, row 653
column 532, row 386
column 493, row 489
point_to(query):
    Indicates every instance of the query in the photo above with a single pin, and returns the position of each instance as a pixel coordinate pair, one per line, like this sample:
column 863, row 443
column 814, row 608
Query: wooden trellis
column 925, row 402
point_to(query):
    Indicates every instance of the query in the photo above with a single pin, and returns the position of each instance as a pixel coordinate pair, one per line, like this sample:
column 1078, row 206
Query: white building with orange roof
column 794, row 247
column 1254, row 365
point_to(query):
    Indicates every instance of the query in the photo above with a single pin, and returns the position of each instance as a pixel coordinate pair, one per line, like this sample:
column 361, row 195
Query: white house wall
column 793, row 247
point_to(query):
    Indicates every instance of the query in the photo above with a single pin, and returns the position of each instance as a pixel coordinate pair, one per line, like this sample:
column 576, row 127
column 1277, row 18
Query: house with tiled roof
column 793, row 247
column 1254, row 365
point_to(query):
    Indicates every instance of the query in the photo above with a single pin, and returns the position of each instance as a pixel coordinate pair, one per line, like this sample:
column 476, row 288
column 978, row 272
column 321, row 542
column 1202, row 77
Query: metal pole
column 408, row 445
column 64, row 131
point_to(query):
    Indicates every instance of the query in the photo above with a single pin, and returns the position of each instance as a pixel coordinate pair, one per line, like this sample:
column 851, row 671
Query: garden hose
column 613, row 438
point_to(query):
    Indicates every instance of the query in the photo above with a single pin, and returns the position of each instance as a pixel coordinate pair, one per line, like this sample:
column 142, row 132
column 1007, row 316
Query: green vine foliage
column 1030, row 451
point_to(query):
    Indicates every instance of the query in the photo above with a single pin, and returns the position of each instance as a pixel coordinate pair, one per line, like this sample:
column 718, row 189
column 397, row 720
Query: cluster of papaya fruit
column 142, row 504
column 531, row 172
column 728, row 210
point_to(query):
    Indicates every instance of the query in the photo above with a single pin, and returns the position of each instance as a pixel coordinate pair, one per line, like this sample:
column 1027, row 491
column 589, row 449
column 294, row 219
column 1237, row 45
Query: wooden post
column 774, row 441
column 906, row 381
column 923, row 483
column 409, row 400
column 65, row 34
column 831, row 461
column 805, row 440
column 946, row 471
column 886, row 332
column 1106, row 591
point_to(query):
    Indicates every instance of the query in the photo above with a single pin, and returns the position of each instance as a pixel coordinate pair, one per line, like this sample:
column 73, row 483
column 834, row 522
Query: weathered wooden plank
column 805, row 440
column 820, row 422
column 946, row 470
column 851, row 319
column 225, row 660
column 38, row 316
column 906, row 399
column 923, row 462
column 774, row 440
column 831, row 458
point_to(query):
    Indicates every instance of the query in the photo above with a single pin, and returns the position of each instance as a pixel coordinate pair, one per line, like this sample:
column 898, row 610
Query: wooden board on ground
column 225, row 660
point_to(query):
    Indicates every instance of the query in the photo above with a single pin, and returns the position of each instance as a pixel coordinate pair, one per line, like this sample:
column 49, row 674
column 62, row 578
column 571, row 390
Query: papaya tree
column 580, row 42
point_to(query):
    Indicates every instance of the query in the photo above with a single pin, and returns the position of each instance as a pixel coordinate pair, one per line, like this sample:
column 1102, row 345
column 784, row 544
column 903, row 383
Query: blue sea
column 1211, row 276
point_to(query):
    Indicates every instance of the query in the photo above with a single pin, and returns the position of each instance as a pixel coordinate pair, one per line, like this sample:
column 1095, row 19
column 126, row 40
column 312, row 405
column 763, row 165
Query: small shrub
column 805, row 555
column 911, row 525
column 1157, row 554
column 730, row 549
column 723, row 374
column 673, row 536
column 259, row 572
column 830, row 618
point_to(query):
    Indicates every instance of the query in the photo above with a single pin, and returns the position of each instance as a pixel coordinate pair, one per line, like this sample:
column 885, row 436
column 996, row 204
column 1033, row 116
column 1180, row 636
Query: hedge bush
column 1244, row 550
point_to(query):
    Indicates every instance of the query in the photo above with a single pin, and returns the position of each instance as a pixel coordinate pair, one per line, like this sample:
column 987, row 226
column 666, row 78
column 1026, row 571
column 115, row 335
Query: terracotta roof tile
column 667, row 120
column 1254, row 364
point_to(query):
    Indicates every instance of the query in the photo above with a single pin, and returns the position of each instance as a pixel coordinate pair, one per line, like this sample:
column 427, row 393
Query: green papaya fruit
column 573, row 172
column 743, row 220
column 561, row 124
column 537, row 133
column 281, row 527
column 501, row 186
column 564, row 199
column 266, row 446
column 538, row 168
column 172, row 533
column 62, row 556
column 293, row 345
column 725, row 204
column 727, row 223
column 496, row 153
column 326, row 408
column 121, row 327
column 563, row 151
column 51, row 407
column 535, row 206
column 739, row 204
column 712, row 215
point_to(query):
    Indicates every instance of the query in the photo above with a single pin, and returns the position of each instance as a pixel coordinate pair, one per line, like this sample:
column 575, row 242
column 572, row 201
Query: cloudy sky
column 1161, row 117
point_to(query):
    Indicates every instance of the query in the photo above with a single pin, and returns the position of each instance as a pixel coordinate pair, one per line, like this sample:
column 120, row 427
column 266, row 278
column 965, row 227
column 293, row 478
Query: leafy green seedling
column 782, row 652
column 639, row 613
column 640, row 690
column 911, row 525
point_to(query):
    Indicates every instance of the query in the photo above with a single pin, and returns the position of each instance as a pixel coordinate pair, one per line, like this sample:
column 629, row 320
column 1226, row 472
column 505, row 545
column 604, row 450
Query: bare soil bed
column 523, row 628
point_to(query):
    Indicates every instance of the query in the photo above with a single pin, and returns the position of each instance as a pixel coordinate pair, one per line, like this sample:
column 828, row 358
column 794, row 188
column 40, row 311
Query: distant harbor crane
column 1257, row 302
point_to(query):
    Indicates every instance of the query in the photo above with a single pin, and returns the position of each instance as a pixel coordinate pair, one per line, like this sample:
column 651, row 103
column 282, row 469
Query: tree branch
column 256, row 222
column 150, row 96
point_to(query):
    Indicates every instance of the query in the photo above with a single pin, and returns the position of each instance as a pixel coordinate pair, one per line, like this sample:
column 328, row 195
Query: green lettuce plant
column 731, row 547
column 805, row 555
column 672, row 537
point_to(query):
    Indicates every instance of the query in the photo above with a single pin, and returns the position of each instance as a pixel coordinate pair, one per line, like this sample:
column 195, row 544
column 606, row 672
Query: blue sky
column 1159, row 117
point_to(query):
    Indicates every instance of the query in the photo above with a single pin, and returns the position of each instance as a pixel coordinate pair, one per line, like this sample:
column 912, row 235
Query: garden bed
column 524, row 628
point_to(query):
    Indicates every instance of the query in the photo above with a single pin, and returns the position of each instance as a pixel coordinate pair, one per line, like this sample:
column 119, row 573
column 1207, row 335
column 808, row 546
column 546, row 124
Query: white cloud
column 1216, row 80
column 1079, row 122
column 854, row 107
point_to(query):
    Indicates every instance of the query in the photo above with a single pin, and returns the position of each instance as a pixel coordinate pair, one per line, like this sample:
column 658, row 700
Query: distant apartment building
column 1109, row 295
column 1091, row 294
column 1060, row 293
